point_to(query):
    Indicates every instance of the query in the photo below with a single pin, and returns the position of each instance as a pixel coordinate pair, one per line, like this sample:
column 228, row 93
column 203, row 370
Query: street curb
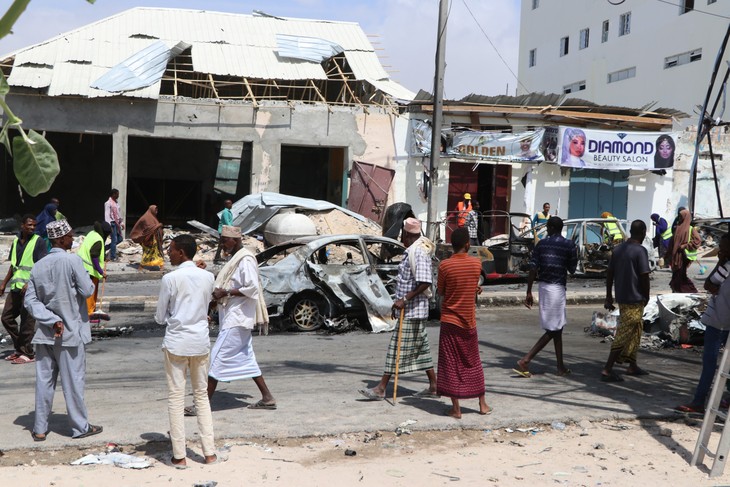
column 147, row 304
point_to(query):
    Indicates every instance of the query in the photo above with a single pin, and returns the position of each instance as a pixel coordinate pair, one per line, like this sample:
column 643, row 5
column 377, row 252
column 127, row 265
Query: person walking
column 183, row 307
column 683, row 251
column 113, row 216
column 412, row 293
column 629, row 269
column 716, row 319
column 662, row 236
column 148, row 233
column 552, row 259
column 225, row 219
column 241, row 307
column 92, row 253
column 460, row 373
column 56, row 298
column 25, row 251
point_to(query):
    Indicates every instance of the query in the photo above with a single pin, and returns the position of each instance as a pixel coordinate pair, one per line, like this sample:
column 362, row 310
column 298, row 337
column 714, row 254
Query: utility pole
column 433, row 227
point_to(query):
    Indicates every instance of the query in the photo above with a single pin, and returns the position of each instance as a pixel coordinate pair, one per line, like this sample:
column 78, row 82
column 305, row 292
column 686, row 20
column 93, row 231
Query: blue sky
column 405, row 30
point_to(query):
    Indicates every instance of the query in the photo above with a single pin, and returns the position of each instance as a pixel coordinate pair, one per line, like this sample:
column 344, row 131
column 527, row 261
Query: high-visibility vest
column 463, row 212
column 21, row 270
column 691, row 254
column 613, row 230
column 667, row 234
column 85, row 253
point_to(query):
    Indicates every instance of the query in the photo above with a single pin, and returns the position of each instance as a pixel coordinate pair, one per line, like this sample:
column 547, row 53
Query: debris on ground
column 118, row 459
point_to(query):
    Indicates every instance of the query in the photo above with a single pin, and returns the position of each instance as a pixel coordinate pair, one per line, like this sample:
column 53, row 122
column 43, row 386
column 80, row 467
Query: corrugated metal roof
column 222, row 44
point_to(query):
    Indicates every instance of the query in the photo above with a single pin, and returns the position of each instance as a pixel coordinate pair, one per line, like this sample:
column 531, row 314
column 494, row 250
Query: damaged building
column 184, row 108
column 481, row 154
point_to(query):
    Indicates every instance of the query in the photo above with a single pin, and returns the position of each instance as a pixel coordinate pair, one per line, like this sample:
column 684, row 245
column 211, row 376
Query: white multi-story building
column 631, row 53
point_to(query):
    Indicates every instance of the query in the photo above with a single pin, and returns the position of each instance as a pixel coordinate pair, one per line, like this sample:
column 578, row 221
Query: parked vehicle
column 594, row 243
column 505, row 256
column 312, row 279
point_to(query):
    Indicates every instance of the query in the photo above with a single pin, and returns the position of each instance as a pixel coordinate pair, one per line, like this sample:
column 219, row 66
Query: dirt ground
column 583, row 454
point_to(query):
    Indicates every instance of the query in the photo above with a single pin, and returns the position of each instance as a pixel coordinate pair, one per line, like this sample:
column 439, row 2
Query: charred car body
column 310, row 280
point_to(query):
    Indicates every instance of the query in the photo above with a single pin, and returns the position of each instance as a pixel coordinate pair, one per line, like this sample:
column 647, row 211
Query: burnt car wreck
column 331, row 281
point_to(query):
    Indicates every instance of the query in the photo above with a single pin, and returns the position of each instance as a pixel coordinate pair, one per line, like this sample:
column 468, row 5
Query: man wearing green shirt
column 225, row 219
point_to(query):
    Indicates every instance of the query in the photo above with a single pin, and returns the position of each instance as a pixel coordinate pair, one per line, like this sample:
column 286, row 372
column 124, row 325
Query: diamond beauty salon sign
column 604, row 149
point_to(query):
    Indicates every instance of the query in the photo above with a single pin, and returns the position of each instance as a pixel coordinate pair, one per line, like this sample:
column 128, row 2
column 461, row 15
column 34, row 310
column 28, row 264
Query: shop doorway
column 313, row 172
column 489, row 184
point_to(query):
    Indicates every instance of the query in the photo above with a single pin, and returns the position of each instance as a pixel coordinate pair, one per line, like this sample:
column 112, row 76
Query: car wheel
column 307, row 313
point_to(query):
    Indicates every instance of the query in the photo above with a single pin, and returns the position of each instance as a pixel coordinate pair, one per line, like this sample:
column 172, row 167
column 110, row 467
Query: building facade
column 634, row 53
column 186, row 108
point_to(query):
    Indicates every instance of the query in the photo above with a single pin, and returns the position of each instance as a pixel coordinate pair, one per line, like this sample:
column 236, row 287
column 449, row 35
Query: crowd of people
column 53, row 292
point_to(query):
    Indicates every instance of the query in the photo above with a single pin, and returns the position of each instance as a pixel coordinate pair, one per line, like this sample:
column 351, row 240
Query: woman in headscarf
column 683, row 246
column 45, row 217
column 148, row 233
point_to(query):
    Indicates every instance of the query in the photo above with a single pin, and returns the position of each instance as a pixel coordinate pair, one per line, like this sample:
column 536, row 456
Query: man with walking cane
column 412, row 294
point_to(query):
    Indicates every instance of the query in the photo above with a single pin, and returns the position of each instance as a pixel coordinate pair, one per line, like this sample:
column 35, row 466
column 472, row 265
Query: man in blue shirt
column 553, row 257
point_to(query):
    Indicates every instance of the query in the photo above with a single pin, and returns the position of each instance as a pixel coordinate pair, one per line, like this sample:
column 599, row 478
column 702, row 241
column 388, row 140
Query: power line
column 694, row 9
column 493, row 46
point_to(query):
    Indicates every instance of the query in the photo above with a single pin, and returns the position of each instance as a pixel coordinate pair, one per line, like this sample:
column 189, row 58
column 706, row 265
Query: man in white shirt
column 240, row 309
column 183, row 308
column 113, row 216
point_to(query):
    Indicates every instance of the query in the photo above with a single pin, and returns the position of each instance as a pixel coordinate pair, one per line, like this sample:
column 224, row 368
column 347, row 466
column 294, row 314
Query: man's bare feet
column 454, row 414
column 211, row 459
column 178, row 462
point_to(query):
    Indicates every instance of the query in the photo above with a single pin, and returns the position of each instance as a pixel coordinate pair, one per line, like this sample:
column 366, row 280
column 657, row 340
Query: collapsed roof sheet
column 222, row 44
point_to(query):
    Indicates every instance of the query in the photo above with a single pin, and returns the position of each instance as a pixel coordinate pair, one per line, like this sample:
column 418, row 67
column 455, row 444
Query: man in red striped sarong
column 460, row 373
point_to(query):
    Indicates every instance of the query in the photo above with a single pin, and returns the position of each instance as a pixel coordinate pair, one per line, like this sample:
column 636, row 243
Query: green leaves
column 35, row 162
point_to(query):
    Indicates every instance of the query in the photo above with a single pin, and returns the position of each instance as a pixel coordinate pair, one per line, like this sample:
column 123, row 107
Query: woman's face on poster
column 577, row 146
column 665, row 150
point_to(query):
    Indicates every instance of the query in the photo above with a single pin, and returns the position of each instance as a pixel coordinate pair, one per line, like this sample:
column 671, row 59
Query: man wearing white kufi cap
column 56, row 298
column 241, row 307
column 412, row 293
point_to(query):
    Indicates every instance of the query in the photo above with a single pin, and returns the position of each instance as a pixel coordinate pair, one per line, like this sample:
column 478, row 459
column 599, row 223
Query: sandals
column 690, row 408
column 23, row 359
column 368, row 393
column 190, row 411
column 522, row 373
column 13, row 356
column 612, row 377
column 261, row 405
column 93, row 430
column 39, row 436
column 426, row 393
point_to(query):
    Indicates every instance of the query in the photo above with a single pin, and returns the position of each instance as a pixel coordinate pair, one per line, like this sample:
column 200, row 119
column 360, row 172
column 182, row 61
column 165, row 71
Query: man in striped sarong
column 412, row 289
column 629, row 269
column 460, row 372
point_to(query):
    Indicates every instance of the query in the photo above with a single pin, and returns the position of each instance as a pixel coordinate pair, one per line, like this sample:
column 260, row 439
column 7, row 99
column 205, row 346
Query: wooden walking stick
column 397, row 354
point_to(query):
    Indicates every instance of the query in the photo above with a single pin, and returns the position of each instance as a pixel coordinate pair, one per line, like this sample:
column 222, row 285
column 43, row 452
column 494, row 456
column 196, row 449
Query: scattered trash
column 580, row 469
column 665, row 432
column 509, row 430
column 350, row 453
column 599, row 446
column 115, row 458
column 403, row 427
column 395, row 473
column 557, row 425
column 209, row 483
column 450, row 477
column 604, row 324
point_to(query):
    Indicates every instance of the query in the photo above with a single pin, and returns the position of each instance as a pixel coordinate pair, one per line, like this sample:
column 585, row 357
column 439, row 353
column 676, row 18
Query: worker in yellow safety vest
column 91, row 252
column 611, row 231
column 26, row 250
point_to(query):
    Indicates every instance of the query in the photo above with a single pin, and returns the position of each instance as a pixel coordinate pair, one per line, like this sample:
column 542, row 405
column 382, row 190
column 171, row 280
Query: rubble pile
column 336, row 222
